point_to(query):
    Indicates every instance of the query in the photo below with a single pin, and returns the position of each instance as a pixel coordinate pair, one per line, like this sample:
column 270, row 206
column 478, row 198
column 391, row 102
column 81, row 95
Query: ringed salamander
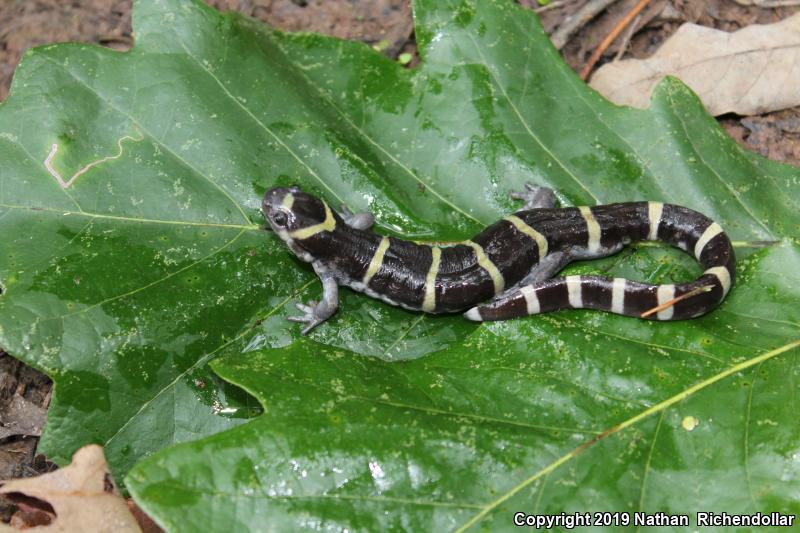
column 507, row 270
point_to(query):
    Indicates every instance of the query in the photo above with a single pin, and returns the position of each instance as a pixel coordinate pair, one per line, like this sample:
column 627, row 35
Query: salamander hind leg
column 507, row 304
column 569, row 292
column 520, row 301
column 546, row 268
column 535, row 197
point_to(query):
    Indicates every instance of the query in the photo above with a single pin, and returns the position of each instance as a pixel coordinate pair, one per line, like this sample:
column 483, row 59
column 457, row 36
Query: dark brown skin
column 510, row 263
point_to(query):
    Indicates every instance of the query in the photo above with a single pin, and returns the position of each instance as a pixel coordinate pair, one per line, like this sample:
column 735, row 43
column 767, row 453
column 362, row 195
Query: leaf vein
column 145, row 131
column 714, row 172
column 647, row 463
column 205, row 359
column 260, row 123
column 527, row 127
column 746, row 444
column 380, row 147
column 378, row 499
column 661, row 406
column 103, row 216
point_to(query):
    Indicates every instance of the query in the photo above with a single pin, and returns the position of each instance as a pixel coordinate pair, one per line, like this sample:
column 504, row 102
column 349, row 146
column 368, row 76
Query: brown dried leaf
column 751, row 71
column 82, row 496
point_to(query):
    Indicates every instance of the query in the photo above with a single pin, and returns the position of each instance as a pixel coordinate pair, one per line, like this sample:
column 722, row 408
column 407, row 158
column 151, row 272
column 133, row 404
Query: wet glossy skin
column 511, row 261
column 124, row 286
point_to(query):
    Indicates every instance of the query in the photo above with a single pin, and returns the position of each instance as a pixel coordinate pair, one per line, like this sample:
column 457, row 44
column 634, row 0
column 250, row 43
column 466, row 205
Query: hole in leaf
column 108, row 483
column 29, row 503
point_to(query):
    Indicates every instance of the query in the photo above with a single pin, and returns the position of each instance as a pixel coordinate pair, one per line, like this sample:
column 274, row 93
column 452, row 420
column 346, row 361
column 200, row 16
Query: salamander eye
column 280, row 218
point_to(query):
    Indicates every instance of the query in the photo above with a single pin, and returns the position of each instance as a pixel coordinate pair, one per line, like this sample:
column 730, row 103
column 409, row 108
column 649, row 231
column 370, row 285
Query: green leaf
column 124, row 285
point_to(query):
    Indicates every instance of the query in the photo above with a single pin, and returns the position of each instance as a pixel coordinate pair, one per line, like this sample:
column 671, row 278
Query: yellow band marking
column 665, row 293
column 712, row 231
column 574, row 291
column 429, row 303
column 723, row 276
column 531, row 300
column 618, row 295
column 377, row 260
column 593, row 245
column 486, row 264
column 541, row 242
column 654, row 210
column 328, row 225
column 288, row 201
column 670, row 303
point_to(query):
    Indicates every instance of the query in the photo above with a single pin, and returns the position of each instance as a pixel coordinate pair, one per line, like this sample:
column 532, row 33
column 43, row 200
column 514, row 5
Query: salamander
column 507, row 270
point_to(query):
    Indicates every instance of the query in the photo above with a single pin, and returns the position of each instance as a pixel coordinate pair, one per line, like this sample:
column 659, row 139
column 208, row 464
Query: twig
column 611, row 37
column 552, row 5
column 670, row 303
column 575, row 22
column 769, row 4
column 753, row 244
column 626, row 40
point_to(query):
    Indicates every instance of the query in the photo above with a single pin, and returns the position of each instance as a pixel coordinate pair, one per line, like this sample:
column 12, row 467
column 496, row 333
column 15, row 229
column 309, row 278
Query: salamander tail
column 709, row 244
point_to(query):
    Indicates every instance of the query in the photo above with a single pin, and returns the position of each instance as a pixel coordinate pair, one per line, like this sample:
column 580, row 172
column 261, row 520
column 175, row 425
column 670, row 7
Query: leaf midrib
column 737, row 198
column 525, row 124
column 141, row 288
column 177, row 222
column 713, row 171
column 260, row 495
column 360, row 131
column 103, row 216
column 659, row 407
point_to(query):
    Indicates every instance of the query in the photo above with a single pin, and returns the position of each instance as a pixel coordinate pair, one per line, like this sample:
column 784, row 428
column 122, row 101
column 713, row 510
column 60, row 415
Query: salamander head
column 297, row 218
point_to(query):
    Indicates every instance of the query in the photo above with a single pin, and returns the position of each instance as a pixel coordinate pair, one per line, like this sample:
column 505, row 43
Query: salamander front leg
column 535, row 197
column 363, row 221
column 317, row 313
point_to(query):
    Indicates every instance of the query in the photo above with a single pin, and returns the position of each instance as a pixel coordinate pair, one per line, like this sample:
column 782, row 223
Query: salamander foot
column 535, row 197
column 363, row 221
column 318, row 312
column 313, row 316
